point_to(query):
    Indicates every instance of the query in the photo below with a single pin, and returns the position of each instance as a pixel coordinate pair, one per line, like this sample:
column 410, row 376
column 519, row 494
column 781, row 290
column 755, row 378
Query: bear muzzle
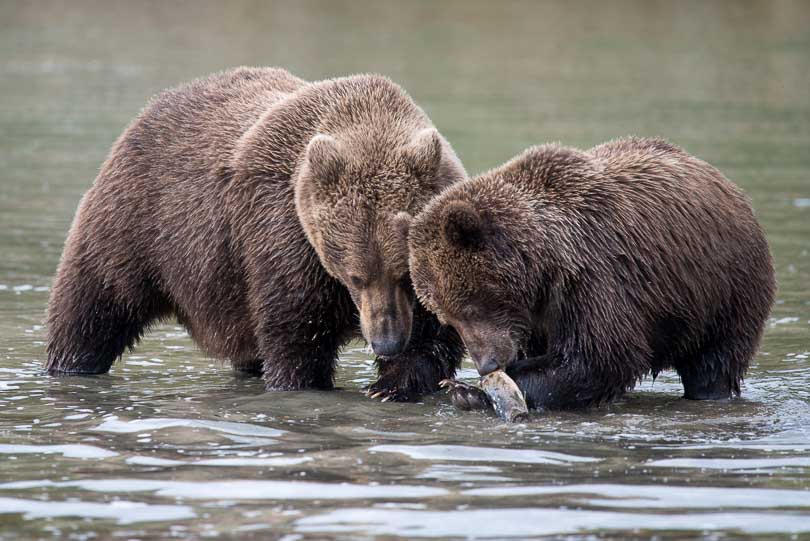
column 388, row 347
column 486, row 366
column 385, row 320
column 388, row 337
column 489, row 349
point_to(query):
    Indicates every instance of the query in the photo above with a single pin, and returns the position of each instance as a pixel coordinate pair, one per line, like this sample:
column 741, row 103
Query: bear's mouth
column 522, row 358
column 520, row 339
column 520, row 363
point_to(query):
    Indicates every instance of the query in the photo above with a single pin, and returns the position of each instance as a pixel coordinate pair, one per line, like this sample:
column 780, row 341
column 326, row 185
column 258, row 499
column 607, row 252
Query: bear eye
column 357, row 282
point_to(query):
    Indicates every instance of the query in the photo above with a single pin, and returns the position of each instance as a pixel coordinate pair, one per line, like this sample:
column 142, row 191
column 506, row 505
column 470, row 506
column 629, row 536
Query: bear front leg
column 433, row 354
column 569, row 385
column 300, row 347
column 469, row 397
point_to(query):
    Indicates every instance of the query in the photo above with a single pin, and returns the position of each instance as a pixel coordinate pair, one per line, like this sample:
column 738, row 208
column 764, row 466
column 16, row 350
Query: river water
column 171, row 445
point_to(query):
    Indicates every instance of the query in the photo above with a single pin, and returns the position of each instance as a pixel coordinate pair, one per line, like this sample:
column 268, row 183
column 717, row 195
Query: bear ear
column 462, row 225
column 402, row 224
column 324, row 159
column 424, row 152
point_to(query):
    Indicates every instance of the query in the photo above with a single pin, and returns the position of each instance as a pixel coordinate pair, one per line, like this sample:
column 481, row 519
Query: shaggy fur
column 582, row 272
column 269, row 215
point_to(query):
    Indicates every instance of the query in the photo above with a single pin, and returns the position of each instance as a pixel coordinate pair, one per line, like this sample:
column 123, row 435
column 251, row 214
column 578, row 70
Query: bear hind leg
column 89, row 326
column 292, row 363
column 713, row 373
column 716, row 370
column 250, row 368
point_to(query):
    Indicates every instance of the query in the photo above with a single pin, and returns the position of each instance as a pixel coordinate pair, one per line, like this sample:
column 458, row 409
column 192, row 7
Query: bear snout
column 389, row 336
column 388, row 347
column 486, row 366
column 490, row 349
column 386, row 317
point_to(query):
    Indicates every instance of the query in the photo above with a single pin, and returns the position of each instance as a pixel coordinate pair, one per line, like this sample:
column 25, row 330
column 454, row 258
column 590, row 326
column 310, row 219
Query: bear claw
column 388, row 395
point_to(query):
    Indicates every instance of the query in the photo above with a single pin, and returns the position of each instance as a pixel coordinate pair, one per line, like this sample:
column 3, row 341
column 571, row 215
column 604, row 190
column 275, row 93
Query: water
column 171, row 445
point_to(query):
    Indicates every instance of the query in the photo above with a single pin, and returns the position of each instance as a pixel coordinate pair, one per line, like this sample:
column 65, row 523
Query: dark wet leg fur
column 716, row 370
column 709, row 376
column 302, row 332
column 247, row 369
column 567, row 386
column 434, row 355
column 295, row 364
column 301, row 372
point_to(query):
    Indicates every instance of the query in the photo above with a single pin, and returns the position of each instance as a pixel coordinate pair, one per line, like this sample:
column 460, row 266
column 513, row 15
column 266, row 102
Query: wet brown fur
column 256, row 207
column 581, row 272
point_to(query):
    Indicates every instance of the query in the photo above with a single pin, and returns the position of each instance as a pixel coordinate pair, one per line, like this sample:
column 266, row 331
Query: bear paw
column 385, row 393
column 466, row 397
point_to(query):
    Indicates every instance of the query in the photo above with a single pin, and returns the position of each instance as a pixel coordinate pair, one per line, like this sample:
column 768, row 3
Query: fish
column 497, row 391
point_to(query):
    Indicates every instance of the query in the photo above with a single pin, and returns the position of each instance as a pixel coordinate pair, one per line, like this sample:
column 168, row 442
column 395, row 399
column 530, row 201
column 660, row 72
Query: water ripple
column 502, row 523
column 658, row 496
column 123, row 512
column 240, row 489
column 481, row 454
column 66, row 450
column 115, row 425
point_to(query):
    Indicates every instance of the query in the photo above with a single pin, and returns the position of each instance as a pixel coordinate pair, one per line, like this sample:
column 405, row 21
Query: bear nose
column 486, row 366
column 387, row 347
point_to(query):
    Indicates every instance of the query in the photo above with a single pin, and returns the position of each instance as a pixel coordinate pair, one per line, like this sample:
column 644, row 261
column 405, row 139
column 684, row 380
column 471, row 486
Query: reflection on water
column 171, row 445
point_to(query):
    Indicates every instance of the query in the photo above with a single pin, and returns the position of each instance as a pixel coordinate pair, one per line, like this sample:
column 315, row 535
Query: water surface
column 171, row 445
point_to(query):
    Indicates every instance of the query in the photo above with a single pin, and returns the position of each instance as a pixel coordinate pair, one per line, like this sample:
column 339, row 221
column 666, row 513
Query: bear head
column 476, row 262
column 355, row 195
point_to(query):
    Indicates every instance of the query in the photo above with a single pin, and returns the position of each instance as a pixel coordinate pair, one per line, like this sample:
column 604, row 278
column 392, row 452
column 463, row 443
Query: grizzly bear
column 270, row 216
column 580, row 272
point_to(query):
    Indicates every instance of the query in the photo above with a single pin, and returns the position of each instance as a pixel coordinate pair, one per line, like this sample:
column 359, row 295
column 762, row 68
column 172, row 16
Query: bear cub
column 581, row 272
column 270, row 216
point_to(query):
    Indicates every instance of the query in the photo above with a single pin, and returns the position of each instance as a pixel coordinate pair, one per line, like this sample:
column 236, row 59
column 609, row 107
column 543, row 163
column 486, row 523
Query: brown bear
column 580, row 272
column 270, row 216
